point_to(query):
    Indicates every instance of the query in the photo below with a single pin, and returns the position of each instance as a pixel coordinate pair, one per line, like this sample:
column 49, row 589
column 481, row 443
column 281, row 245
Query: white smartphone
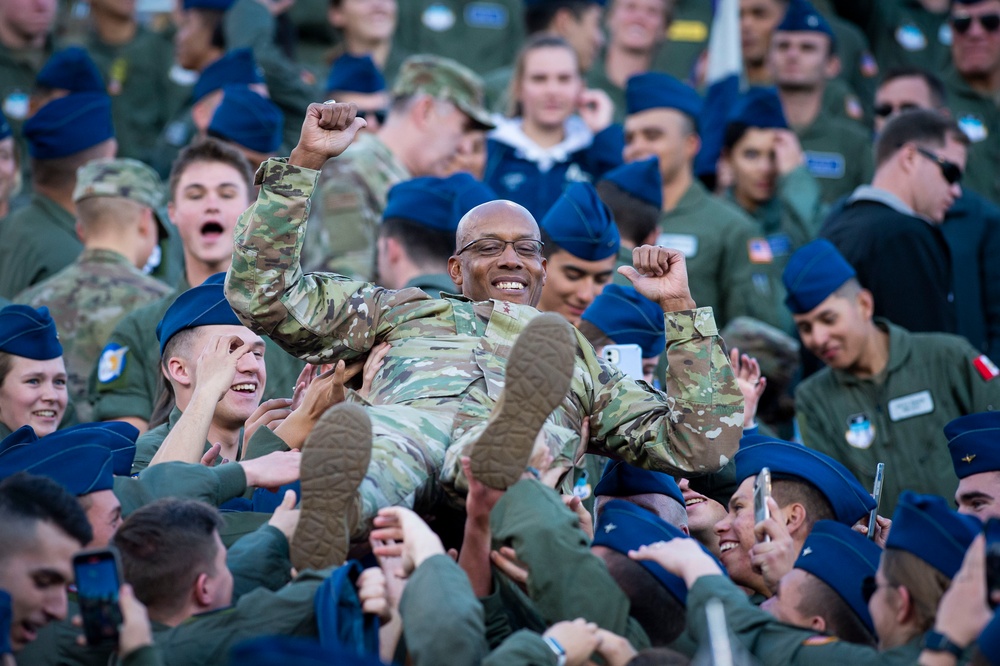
column 627, row 358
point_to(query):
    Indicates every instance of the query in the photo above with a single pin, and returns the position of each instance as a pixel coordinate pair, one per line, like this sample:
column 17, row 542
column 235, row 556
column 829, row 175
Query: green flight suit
column 687, row 38
column 496, row 88
column 36, row 241
column 784, row 224
column 264, row 441
column 714, row 237
column 624, row 258
column 126, row 379
column 858, row 67
column 434, row 284
column 137, row 77
column 18, row 69
column 597, row 77
column 773, row 642
column 480, row 35
column 344, row 219
column 979, row 117
column 87, row 299
column 838, row 155
column 899, row 418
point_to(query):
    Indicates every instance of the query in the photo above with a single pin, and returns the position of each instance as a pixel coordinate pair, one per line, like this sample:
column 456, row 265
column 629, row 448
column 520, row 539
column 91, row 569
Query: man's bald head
column 483, row 269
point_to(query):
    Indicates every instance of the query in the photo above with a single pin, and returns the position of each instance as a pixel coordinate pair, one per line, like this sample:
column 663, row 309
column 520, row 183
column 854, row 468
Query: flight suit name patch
column 915, row 404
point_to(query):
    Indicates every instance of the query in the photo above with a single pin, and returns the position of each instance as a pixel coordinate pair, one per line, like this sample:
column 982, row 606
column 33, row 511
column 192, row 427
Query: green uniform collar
column 691, row 200
column 62, row 217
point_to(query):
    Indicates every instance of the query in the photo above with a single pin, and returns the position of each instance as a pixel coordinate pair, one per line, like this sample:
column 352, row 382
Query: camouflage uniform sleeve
column 694, row 425
column 318, row 317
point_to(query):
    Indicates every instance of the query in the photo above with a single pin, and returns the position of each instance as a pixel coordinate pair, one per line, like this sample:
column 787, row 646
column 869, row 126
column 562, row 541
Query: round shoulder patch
column 112, row 363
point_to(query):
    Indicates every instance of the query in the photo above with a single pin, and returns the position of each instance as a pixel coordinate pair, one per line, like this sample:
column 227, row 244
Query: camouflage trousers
column 417, row 449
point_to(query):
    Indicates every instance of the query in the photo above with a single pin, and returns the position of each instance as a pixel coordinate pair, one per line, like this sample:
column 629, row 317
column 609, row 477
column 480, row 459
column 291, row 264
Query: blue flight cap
column 6, row 614
column 580, row 223
column 759, row 107
column 214, row 5
column 69, row 125
column 71, row 69
column 924, row 526
column 270, row 650
column 623, row 480
column 841, row 558
column 359, row 74
column 27, row 332
column 237, row 66
column 628, row 318
column 801, row 16
column 641, row 179
column 204, row 305
column 248, row 119
column 117, row 437
column 814, row 272
column 623, row 526
column 974, row 443
column 5, row 130
column 80, row 468
column 655, row 90
column 787, row 460
column 437, row 203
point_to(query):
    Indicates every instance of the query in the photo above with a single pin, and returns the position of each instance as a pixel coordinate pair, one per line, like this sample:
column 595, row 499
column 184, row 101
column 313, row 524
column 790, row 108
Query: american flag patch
column 986, row 368
column 760, row 251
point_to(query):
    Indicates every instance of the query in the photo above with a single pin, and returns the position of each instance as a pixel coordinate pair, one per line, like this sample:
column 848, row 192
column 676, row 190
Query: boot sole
column 335, row 461
column 538, row 376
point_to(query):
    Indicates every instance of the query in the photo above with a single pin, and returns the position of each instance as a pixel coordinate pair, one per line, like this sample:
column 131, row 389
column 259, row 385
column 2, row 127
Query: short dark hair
column 209, row 150
column 734, row 131
column 939, row 94
column 423, row 245
column 818, row 598
column 549, row 246
column 538, row 17
column 918, row 126
column 60, row 172
column 164, row 547
column 26, row 500
column 800, row 491
column 636, row 219
column 656, row 610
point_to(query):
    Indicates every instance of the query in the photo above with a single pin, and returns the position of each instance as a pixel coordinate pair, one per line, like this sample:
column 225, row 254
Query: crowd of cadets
column 482, row 365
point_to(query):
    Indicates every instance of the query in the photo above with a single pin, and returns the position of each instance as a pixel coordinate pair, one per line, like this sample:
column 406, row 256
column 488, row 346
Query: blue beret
column 759, row 107
column 69, row 125
column 71, row 69
column 5, row 130
column 204, row 305
column 841, row 558
column 974, row 443
column 581, row 224
column 271, row 650
column 801, row 16
column 641, row 179
column 27, row 332
column 623, row 480
column 814, row 272
column 237, row 66
column 117, row 437
column 786, row 460
column 623, row 526
column 655, row 90
column 628, row 318
column 350, row 73
column 6, row 614
column 216, row 5
column 80, row 468
column 924, row 526
column 248, row 119
column 437, row 203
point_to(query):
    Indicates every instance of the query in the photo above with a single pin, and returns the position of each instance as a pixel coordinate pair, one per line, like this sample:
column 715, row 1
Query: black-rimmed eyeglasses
column 494, row 247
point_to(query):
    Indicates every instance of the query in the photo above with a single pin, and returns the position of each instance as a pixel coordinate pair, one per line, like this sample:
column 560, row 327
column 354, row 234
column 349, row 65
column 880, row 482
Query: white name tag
column 915, row 404
column 686, row 244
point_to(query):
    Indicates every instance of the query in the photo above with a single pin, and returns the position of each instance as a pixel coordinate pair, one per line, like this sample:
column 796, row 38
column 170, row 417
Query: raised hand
column 660, row 274
column 327, row 130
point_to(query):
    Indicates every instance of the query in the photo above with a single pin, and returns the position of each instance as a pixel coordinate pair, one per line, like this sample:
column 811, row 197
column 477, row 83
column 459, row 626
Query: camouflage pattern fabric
column 444, row 79
column 445, row 370
column 87, row 299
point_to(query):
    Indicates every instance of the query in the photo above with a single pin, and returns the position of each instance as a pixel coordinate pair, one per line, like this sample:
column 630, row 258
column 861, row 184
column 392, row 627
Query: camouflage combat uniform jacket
column 449, row 355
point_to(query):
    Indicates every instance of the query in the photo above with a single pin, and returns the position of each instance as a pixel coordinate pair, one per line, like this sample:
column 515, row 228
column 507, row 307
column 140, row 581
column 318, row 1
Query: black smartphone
column 877, row 496
column 761, row 492
column 992, row 530
column 98, row 578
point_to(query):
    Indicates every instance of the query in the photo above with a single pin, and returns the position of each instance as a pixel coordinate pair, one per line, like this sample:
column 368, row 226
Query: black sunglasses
column 951, row 171
column 378, row 114
column 962, row 24
column 885, row 109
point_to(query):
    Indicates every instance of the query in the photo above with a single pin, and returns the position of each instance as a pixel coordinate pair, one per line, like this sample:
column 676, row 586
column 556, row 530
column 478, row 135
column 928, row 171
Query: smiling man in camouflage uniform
column 454, row 377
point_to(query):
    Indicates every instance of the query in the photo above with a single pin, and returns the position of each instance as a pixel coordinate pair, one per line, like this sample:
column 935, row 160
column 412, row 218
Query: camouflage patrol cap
column 122, row 177
column 445, row 79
